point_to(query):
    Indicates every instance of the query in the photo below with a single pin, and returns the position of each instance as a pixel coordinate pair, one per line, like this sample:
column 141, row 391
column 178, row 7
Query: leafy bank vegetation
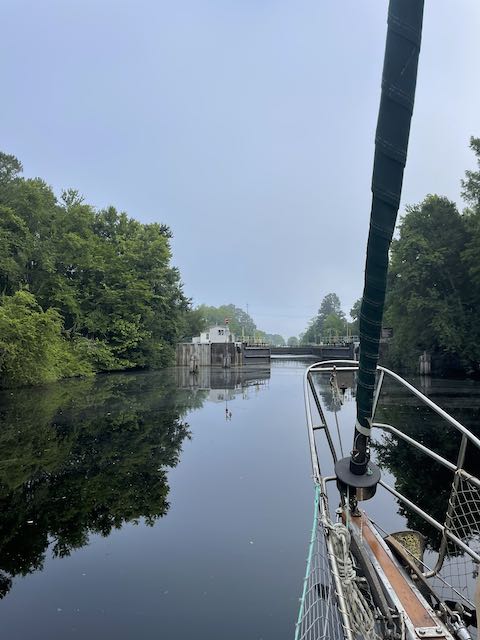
column 433, row 294
column 433, row 300
column 81, row 290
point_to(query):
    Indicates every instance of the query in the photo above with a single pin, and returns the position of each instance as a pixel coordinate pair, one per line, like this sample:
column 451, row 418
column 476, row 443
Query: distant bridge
column 320, row 351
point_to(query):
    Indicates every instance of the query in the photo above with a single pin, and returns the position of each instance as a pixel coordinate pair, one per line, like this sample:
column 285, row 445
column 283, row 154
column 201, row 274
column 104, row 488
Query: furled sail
column 391, row 142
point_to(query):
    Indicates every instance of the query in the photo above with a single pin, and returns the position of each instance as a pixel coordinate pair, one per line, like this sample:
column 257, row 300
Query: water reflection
column 213, row 378
column 85, row 457
column 223, row 385
column 82, row 458
column 337, row 389
column 420, row 478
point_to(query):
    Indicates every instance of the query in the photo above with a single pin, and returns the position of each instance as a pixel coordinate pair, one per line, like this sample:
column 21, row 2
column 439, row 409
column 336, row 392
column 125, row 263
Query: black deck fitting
column 362, row 487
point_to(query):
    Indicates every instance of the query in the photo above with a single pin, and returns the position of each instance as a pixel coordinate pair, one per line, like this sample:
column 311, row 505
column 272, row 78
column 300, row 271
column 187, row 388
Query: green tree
column 109, row 277
column 194, row 323
column 333, row 326
column 15, row 245
column 240, row 322
column 10, row 168
column 330, row 306
column 292, row 341
column 32, row 348
column 355, row 315
column 433, row 297
column 471, row 184
column 428, row 302
column 274, row 339
column 471, row 252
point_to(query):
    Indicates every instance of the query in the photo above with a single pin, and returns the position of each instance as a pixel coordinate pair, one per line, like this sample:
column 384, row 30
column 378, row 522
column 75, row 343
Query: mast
column 391, row 141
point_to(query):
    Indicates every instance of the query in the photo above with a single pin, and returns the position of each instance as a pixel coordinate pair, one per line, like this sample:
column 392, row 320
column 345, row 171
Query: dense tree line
column 433, row 300
column 81, row 290
column 433, row 294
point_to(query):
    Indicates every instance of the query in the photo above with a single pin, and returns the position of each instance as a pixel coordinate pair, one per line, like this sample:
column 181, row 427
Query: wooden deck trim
column 414, row 607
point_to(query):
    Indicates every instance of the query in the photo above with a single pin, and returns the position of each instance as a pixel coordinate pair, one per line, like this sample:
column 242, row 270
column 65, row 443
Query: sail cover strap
column 363, row 430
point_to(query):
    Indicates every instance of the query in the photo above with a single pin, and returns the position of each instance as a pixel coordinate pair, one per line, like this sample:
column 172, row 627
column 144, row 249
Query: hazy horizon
column 248, row 128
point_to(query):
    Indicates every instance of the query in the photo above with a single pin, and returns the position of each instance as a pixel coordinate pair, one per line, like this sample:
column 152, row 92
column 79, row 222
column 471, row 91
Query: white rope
column 362, row 619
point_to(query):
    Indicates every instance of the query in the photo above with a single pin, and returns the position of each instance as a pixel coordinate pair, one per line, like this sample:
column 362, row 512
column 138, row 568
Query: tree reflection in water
column 82, row 458
column 417, row 476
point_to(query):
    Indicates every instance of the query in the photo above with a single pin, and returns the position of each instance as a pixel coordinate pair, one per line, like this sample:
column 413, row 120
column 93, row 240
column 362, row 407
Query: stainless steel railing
column 447, row 528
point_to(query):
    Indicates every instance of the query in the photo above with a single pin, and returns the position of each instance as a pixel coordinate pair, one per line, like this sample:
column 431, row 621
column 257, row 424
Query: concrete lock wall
column 193, row 355
column 256, row 355
column 228, row 354
column 225, row 355
column 322, row 352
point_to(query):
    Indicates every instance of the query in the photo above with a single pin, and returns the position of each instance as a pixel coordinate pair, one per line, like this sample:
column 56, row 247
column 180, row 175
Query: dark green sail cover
column 391, row 142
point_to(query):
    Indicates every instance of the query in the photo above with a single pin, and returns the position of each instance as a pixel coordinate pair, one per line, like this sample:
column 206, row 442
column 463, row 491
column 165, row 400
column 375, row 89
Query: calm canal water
column 141, row 505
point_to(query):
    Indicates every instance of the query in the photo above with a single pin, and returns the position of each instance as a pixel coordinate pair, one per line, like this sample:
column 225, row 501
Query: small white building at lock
column 217, row 334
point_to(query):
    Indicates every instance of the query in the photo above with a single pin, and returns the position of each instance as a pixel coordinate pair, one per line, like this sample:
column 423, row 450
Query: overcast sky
column 246, row 125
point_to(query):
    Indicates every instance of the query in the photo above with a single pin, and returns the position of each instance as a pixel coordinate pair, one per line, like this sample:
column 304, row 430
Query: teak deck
column 414, row 607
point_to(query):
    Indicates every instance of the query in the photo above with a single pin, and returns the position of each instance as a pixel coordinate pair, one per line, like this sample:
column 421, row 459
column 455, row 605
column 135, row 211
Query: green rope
column 309, row 561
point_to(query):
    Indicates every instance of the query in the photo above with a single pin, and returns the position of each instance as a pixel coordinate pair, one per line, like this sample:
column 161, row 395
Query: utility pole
column 227, row 362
